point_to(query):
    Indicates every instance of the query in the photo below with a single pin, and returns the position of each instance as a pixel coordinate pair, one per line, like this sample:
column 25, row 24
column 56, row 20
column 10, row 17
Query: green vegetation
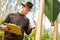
column 46, row 35
column 1, row 35
column 31, row 36
column 1, row 19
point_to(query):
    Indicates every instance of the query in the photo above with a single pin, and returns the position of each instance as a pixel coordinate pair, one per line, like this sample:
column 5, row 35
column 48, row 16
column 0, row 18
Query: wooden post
column 40, row 19
column 55, row 30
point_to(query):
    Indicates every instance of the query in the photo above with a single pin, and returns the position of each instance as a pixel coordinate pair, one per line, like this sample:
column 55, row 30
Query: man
column 19, row 19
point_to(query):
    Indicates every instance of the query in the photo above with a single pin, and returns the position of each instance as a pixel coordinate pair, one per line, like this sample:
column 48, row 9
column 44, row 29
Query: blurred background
column 9, row 6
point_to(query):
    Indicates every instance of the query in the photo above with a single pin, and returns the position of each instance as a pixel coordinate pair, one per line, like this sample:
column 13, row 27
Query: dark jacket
column 20, row 20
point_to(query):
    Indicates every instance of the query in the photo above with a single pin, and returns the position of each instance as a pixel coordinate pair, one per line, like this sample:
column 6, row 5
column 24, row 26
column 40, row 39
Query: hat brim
column 25, row 5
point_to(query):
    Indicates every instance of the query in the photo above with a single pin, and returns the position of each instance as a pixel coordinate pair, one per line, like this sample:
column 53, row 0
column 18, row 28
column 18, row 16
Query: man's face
column 25, row 10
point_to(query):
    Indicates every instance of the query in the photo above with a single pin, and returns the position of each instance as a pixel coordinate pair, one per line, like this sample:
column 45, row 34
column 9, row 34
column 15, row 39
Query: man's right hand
column 4, row 28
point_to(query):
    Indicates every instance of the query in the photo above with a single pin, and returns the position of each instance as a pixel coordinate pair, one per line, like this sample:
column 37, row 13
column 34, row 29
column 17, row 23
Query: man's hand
column 31, row 27
column 4, row 28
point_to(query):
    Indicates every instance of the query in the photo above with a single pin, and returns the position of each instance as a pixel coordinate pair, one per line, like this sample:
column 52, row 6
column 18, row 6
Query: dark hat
column 28, row 4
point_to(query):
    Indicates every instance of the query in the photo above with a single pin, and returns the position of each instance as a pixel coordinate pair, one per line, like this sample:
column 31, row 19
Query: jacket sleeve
column 27, row 29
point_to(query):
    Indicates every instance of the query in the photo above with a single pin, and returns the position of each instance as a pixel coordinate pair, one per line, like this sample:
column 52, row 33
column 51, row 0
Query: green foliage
column 46, row 35
column 31, row 36
column 52, row 9
column 26, row 37
column 58, row 38
column 1, row 19
column 1, row 34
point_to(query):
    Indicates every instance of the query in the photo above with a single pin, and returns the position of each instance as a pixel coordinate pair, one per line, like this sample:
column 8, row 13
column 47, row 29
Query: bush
column 31, row 36
column 46, row 35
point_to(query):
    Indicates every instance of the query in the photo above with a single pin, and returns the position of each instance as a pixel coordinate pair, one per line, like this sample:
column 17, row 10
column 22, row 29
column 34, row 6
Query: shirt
column 20, row 20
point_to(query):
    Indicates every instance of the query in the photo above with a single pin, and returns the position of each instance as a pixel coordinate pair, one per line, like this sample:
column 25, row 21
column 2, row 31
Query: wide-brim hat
column 28, row 5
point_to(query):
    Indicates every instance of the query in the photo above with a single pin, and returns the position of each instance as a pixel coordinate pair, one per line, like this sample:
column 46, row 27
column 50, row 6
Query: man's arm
column 2, row 25
column 28, row 29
